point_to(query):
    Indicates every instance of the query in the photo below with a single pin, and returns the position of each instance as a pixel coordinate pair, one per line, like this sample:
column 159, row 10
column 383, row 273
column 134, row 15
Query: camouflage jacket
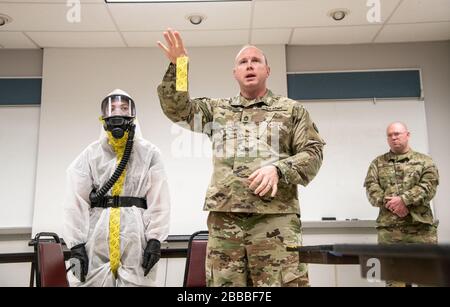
column 412, row 176
column 247, row 135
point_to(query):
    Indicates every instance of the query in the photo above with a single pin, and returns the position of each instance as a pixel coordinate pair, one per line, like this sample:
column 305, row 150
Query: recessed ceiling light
column 196, row 19
column 4, row 19
column 338, row 14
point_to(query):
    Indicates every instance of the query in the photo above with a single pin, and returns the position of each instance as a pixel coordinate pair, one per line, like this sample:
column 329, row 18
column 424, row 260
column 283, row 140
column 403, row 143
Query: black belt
column 120, row 201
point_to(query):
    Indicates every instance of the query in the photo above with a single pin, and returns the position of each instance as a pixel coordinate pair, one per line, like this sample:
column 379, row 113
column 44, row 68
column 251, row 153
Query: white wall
column 14, row 274
column 433, row 59
column 74, row 83
column 18, row 123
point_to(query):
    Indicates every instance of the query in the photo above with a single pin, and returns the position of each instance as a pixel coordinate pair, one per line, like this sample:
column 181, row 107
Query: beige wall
column 434, row 61
column 20, row 63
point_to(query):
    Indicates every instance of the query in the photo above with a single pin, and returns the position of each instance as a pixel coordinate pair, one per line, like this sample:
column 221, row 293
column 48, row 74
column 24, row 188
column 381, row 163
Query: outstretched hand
column 175, row 47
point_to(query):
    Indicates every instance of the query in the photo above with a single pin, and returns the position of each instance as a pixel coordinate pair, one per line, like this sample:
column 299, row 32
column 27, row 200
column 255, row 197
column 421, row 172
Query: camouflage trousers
column 246, row 249
column 422, row 233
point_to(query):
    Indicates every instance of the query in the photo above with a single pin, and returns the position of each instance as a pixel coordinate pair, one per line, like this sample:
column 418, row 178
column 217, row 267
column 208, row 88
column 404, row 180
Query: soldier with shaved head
column 264, row 145
column 402, row 182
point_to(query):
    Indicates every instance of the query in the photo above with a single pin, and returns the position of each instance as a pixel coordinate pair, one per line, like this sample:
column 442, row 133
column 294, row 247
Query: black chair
column 194, row 273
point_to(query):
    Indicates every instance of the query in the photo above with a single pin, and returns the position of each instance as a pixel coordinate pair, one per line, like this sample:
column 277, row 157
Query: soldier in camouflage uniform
column 402, row 183
column 262, row 143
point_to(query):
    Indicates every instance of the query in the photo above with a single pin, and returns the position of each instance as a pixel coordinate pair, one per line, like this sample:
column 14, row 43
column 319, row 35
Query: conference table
column 423, row 264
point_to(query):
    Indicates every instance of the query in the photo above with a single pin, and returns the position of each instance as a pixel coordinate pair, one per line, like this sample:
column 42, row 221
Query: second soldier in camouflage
column 402, row 183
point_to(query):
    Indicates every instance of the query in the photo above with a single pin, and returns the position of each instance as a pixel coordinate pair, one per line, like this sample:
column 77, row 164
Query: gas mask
column 118, row 113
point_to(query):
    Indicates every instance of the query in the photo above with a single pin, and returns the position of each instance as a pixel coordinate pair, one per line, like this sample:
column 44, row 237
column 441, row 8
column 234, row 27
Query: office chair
column 49, row 264
column 194, row 273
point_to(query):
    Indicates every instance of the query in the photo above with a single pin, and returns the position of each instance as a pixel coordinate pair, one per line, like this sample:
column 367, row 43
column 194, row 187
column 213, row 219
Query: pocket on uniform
column 412, row 179
column 290, row 276
column 295, row 276
column 421, row 217
column 274, row 129
column 385, row 173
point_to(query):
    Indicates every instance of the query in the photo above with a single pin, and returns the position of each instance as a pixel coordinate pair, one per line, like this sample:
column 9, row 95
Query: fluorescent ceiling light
column 168, row 1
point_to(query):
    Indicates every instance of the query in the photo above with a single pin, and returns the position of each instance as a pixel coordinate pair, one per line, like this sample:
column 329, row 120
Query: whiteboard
column 355, row 134
column 19, row 129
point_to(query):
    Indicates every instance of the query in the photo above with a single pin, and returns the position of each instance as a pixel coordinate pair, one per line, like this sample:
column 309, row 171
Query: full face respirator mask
column 118, row 113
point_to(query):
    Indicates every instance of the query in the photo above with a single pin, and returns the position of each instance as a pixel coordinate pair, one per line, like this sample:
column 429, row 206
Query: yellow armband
column 182, row 74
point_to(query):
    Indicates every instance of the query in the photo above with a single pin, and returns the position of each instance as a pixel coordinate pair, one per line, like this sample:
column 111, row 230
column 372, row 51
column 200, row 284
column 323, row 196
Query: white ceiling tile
column 226, row 23
column 411, row 11
column 308, row 13
column 142, row 39
column 215, row 38
column 77, row 39
column 53, row 17
column 270, row 36
column 190, row 38
column 336, row 35
column 158, row 16
column 414, row 32
column 15, row 40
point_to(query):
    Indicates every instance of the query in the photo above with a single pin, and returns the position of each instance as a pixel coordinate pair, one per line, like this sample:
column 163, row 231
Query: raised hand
column 175, row 47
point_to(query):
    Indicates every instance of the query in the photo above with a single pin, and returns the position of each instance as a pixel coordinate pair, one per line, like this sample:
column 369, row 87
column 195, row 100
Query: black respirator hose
column 95, row 196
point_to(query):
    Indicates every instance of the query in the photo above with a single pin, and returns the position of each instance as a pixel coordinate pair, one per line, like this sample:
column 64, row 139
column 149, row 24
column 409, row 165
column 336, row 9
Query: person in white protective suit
column 117, row 204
